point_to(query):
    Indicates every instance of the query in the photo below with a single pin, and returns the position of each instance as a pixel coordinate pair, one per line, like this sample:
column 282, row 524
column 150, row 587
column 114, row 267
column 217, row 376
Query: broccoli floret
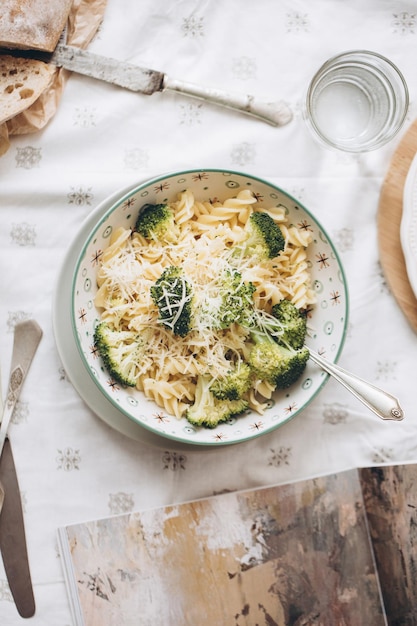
column 121, row 351
column 236, row 297
column 274, row 363
column 265, row 239
column 293, row 323
column 156, row 221
column 173, row 296
column 279, row 355
column 207, row 410
column 232, row 386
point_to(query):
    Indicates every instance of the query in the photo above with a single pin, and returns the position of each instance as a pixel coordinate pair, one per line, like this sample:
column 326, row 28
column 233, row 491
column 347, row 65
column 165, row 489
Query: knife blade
column 27, row 336
column 12, row 537
column 148, row 81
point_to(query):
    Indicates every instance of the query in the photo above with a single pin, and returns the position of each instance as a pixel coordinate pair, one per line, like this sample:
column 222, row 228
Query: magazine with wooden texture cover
column 328, row 551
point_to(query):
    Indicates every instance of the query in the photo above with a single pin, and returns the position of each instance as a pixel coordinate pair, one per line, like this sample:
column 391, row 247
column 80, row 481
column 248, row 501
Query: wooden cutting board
column 389, row 221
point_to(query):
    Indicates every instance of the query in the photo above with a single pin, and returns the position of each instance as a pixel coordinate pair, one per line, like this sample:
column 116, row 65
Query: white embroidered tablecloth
column 71, row 465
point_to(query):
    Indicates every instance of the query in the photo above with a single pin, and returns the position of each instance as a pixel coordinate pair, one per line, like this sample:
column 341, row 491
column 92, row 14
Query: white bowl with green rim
column 327, row 319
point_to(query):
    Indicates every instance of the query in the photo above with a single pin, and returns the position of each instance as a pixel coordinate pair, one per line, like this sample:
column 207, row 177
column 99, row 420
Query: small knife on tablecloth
column 147, row 81
column 12, row 537
column 13, row 547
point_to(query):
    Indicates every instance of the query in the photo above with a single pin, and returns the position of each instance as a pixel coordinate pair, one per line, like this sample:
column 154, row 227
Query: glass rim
column 379, row 140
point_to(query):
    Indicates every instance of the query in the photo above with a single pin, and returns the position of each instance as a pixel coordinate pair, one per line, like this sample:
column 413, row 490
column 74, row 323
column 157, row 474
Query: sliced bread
column 21, row 82
column 32, row 24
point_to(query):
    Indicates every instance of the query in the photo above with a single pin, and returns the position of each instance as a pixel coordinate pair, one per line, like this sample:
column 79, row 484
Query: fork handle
column 383, row 404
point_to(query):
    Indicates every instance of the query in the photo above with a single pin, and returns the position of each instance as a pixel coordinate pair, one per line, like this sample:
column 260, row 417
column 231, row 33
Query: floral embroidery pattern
column 5, row 593
column 298, row 192
column 404, row 23
column 136, row 158
column 382, row 455
column 80, row 197
column 386, row 370
column 14, row 318
column 280, row 457
column 193, row 26
column 244, row 68
column 243, row 153
column 85, row 117
column 23, row 234
column 344, row 239
column 28, row 157
column 173, row 461
column 297, row 22
column 121, row 502
column 335, row 413
column 190, row 114
column 20, row 412
column 68, row 459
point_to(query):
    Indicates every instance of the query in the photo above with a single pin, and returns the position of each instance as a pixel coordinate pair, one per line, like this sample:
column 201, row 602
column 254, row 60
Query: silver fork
column 27, row 336
column 383, row 404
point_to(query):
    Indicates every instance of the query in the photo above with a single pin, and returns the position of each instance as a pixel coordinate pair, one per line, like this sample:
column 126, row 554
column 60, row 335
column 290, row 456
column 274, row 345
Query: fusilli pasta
column 207, row 232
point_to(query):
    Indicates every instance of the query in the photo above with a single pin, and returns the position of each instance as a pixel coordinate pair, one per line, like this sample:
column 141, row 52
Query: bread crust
column 32, row 24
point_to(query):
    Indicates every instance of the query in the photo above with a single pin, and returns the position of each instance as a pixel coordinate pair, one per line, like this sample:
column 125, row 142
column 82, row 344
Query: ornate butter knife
column 12, row 531
column 147, row 81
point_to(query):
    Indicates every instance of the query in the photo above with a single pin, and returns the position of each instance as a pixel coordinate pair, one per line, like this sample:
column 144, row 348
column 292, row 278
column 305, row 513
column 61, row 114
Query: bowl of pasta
column 196, row 299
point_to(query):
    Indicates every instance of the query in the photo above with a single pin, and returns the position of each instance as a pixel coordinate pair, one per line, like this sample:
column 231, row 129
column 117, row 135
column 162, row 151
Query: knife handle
column 274, row 113
column 27, row 336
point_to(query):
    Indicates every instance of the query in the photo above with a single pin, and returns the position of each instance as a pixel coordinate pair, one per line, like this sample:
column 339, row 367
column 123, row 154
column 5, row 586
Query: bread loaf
column 21, row 82
column 32, row 24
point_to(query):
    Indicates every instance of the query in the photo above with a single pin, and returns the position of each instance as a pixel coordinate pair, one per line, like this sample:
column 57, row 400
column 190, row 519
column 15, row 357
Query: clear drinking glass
column 357, row 101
